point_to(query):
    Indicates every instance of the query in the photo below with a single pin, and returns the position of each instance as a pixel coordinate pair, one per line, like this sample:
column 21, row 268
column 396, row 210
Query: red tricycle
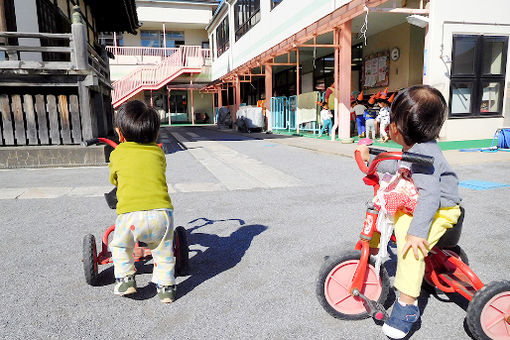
column 91, row 259
column 348, row 287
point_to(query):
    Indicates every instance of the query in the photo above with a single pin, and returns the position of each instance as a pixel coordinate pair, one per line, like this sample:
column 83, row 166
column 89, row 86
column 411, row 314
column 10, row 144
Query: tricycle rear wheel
column 333, row 283
column 90, row 259
column 181, row 251
column 488, row 314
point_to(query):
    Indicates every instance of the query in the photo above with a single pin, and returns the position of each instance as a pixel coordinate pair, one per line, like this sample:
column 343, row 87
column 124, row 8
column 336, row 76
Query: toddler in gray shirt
column 416, row 117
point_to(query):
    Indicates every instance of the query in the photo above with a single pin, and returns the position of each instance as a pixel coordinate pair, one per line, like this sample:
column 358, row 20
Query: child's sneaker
column 125, row 286
column 166, row 294
column 401, row 320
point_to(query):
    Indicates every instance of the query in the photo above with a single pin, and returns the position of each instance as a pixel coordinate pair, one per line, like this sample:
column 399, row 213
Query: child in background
column 145, row 211
column 326, row 117
column 359, row 109
column 383, row 118
column 369, row 116
column 417, row 115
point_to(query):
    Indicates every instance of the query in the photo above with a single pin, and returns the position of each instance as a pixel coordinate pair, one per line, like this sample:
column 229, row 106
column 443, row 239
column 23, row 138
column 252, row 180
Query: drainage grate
column 482, row 185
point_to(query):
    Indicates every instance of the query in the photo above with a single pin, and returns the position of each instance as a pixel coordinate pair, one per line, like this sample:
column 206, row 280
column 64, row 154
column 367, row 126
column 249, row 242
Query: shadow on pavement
column 222, row 253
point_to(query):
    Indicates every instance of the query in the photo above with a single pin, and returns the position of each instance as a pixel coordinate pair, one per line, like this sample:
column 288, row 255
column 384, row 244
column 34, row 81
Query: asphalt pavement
column 261, row 214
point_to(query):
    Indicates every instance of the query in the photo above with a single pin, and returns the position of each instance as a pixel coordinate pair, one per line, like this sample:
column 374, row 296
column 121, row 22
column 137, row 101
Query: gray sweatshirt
column 437, row 186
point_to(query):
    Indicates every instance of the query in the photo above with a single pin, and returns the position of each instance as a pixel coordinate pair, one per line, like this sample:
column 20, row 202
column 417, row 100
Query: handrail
column 153, row 77
column 142, row 51
column 36, row 35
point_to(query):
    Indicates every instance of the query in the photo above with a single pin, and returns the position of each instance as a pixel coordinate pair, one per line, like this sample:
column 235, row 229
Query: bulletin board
column 376, row 70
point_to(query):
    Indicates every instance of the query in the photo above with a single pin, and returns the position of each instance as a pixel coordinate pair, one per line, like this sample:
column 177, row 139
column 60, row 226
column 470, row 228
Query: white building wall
column 288, row 18
column 181, row 14
column 463, row 17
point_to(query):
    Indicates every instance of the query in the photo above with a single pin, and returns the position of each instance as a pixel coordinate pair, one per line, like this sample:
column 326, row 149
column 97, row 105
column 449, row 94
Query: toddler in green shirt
column 144, row 208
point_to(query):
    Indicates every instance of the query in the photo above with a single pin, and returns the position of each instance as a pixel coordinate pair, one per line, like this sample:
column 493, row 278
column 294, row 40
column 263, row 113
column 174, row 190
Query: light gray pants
column 370, row 128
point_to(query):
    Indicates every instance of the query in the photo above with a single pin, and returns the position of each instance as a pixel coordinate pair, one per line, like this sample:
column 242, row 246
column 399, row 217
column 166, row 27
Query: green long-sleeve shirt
column 138, row 172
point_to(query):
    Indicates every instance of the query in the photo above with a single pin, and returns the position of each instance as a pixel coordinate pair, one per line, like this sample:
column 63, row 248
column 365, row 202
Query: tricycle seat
column 452, row 235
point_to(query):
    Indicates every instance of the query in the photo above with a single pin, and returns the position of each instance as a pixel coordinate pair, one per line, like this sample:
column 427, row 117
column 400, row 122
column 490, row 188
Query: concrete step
column 52, row 156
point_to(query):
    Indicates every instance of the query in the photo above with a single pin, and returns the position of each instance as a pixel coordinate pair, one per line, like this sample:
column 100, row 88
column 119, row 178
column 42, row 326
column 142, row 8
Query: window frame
column 241, row 28
column 222, row 37
column 478, row 77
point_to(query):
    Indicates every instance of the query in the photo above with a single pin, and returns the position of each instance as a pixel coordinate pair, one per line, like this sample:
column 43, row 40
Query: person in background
column 369, row 116
column 383, row 118
column 359, row 109
column 326, row 118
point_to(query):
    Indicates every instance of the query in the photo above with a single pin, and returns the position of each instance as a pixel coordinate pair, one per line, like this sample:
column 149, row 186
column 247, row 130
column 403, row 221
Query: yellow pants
column 410, row 271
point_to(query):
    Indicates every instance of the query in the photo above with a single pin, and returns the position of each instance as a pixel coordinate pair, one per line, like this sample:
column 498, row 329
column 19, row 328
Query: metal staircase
column 186, row 59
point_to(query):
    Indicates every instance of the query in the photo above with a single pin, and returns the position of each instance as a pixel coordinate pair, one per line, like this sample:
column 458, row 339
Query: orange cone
column 392, row 97
column 360, row 96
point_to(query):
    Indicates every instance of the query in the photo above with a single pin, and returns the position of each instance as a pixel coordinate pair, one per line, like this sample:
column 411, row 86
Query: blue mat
column 482, row 185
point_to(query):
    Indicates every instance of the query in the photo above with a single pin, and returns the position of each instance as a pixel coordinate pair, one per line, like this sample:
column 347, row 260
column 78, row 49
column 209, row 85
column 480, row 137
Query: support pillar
column 297, row 85
column 343, row 89
column 220, row 97
column 342, row 78
column 168, row 106
column 192, row 101
column 192, row 107
column 237, row 103
column 269, row 93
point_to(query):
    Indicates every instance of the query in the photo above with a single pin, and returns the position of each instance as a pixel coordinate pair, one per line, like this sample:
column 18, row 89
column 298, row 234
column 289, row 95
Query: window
column 275, row 3
column 156, row 39
column 222, row 34
column 108, row 38
column 246, row 15
column 478, row 75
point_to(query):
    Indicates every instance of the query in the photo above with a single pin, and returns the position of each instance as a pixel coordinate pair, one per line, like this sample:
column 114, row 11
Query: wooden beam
column 281, row 64
column 400, row 10
column 319, row 45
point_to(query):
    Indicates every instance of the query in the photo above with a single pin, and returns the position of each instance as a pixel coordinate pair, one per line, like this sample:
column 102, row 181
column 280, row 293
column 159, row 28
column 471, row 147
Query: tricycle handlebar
column 382, row 155
column 95, row 141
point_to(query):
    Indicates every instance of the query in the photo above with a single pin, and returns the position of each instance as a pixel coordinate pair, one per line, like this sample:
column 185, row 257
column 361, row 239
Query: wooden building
column 54, row 76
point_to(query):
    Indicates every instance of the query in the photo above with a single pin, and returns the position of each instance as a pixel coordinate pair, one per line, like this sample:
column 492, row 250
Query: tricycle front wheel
column 90, row 259
column 488, row 314
column 333, row 284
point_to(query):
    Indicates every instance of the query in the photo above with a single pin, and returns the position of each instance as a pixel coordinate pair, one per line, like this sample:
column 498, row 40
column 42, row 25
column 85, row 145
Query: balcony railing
column 149, row 55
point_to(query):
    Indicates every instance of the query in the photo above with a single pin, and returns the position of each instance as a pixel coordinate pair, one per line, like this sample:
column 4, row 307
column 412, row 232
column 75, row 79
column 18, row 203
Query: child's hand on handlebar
column 364, row 152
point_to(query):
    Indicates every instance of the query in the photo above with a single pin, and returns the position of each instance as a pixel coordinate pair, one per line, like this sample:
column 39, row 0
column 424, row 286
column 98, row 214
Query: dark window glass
column 493, row 55
column 478, row 75
column 246, row 15
column 464, row 55
column 156, row 39
column 222, row 34
column 275, row 3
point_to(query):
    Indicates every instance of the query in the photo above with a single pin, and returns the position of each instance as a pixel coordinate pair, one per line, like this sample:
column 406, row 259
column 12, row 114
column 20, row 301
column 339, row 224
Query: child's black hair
column 419, row 113
column 138, row 122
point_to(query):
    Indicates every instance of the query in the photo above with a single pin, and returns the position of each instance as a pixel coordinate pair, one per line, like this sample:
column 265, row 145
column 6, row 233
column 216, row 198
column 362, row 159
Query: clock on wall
column 395, row 53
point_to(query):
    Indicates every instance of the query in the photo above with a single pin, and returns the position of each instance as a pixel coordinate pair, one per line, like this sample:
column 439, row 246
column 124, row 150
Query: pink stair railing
column 187, row 59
